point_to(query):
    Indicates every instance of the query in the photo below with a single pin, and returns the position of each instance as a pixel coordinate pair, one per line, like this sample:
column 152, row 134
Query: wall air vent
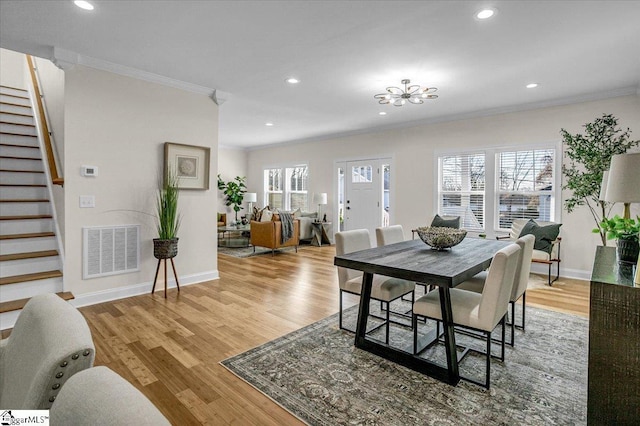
column 110, row 250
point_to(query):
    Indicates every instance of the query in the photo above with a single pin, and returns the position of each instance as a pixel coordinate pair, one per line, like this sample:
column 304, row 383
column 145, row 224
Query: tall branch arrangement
column 589, row 156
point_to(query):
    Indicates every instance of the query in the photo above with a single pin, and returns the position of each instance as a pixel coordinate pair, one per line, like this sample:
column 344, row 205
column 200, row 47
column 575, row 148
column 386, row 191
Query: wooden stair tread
column 13, row 157
column 30, row 277
column 21, row 171
column 14, row 88
column 30, row 235
column 16, row 200
column 18, row 105
column 29, row 217
column 23, row 185
column 16, row 113
column 15, row 305
column 18, row 124
column 17, row 134
column 13, row 145
column 14, row 96
column 28, row 255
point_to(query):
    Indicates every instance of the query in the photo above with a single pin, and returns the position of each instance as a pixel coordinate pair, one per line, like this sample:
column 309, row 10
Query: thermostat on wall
column 89, row 171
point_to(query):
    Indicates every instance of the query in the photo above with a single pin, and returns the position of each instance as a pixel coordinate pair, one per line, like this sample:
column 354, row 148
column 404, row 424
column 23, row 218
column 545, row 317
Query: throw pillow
column 440, row 222
column 266, row 215
column 545, row 235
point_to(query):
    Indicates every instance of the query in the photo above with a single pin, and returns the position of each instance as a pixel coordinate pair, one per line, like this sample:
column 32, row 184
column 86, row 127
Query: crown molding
column 590, row 97
column 65, row 60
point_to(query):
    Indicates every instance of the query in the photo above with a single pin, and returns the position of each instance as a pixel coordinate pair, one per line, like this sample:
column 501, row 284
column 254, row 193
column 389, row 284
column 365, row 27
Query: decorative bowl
column 440, row 238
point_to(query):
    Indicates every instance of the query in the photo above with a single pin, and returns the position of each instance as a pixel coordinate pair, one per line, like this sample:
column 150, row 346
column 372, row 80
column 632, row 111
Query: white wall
column 13, row 70
column 120, row 124
column 232, row 162
column 413, row 152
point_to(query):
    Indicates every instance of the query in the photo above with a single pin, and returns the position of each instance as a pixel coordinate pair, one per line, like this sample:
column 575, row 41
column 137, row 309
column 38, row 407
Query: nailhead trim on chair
column 71, row 365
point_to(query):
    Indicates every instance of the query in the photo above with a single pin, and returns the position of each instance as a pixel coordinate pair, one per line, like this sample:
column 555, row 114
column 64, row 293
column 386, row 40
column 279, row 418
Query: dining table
column 415, row 261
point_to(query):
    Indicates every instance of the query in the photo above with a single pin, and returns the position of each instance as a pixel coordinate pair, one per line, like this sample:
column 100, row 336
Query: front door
column 363, row 196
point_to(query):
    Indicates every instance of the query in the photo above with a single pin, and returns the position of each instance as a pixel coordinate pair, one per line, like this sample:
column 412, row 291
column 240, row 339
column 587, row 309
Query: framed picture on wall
column 190, row 163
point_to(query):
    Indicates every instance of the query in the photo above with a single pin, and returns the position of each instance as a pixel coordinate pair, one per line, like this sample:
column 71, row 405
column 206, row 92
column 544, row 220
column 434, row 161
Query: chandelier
column 414, row 94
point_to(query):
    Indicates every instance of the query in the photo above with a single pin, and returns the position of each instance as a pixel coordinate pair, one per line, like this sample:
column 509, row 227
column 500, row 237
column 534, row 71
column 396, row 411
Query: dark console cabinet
column 614, row 343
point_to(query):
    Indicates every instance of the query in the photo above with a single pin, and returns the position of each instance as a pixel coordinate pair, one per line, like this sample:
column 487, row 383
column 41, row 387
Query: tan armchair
column 222, row 219
column 269, row 234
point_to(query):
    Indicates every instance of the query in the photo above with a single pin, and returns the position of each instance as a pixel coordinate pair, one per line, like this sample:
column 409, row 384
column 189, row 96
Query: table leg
column 363, row 313
column 449, row 335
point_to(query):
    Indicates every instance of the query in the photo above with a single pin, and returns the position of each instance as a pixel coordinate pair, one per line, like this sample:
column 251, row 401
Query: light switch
column 87, row 201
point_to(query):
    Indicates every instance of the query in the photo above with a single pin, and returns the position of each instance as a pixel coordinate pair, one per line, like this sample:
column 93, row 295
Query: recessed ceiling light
column 532, row 85
column 268, row 123
column 82, row 4
column 292, row 80
column 485, row 13
column 382, row 113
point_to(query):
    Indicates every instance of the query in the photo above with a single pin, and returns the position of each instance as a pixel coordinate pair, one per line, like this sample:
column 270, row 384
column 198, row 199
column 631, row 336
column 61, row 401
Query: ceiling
column 344, row 52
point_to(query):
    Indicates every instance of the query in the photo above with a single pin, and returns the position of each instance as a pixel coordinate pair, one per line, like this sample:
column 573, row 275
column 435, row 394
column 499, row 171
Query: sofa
column 305, row 219
column 50, row 343
column 269, row 234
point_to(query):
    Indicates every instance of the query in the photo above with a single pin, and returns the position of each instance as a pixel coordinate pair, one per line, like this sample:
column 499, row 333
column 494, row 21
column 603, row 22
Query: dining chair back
column 497, row 289
column 389, row 235
column 347, row 242
column 524, row 266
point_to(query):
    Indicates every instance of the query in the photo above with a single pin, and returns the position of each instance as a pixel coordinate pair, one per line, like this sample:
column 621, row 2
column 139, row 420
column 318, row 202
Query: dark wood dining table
column 415, row 261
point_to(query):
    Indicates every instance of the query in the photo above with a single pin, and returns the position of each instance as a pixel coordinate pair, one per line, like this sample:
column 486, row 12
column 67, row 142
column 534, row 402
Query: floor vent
column 110, row 250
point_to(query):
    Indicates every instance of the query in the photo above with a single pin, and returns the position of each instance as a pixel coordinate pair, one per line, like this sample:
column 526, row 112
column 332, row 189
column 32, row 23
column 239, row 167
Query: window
column 525, row 182
column 523, row 186
column 286, row 188
column 461, row 189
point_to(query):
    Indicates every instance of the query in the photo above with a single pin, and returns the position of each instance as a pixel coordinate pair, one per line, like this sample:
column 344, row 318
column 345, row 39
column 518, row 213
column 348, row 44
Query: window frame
column 492, row 187
column 286, row 188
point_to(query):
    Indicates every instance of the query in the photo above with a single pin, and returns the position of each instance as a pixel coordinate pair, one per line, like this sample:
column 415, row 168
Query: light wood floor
column 170, row 349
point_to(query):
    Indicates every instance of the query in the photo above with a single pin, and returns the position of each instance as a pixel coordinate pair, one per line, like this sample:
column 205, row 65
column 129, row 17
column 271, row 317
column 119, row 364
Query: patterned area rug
column 318, row 375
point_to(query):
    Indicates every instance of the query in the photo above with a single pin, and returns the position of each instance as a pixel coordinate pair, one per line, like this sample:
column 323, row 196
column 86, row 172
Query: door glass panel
column 362, row 174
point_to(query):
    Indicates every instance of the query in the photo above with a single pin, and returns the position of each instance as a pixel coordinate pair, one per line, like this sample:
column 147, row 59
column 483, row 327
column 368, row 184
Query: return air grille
column 110, row 250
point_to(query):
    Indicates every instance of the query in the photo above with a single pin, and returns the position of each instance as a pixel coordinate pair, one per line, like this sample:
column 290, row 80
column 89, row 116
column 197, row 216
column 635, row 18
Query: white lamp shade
column 320, row 198
column 623, row 184
column 251, row 197
column 603, row 185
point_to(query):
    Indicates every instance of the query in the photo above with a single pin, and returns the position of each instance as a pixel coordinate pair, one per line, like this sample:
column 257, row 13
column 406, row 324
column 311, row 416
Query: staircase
column 29, row 260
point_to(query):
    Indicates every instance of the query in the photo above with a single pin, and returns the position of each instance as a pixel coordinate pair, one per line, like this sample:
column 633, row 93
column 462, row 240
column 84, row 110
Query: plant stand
column 173, row 266
column 163, row 250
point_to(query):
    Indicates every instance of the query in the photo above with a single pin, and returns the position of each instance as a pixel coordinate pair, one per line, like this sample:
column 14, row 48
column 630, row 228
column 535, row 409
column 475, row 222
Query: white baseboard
column 538, row 268
column 87, row 299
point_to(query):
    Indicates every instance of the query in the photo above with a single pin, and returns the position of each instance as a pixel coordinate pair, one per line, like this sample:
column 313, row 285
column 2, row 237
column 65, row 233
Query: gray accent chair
column 49, row 343
column 476, row 284
column 479, row 313
column 384, row 289
column 99, row 396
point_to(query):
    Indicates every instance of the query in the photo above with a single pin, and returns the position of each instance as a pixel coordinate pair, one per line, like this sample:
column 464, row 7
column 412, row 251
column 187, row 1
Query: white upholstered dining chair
column 477, row 312
column 383, row 289
column 389, row 235
column 476, row 284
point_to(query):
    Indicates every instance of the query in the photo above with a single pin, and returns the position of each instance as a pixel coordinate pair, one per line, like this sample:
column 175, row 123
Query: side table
column 320, row 236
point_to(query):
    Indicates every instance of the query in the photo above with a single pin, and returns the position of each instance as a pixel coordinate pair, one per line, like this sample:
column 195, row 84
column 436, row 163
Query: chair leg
column 488, row 372
column 524, row 304
column 513, row 323
column 386, row 340
column 340, row 312
column 503, row 323
column 414, row 324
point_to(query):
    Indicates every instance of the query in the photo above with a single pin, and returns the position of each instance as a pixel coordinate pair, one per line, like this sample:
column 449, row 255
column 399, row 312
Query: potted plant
column 234, row 191
column 166, row 245
column 627, row 232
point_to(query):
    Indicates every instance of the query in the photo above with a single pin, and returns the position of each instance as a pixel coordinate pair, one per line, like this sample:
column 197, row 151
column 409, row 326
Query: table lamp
column 251, row 198
column 320, row 199
column 623, row 182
